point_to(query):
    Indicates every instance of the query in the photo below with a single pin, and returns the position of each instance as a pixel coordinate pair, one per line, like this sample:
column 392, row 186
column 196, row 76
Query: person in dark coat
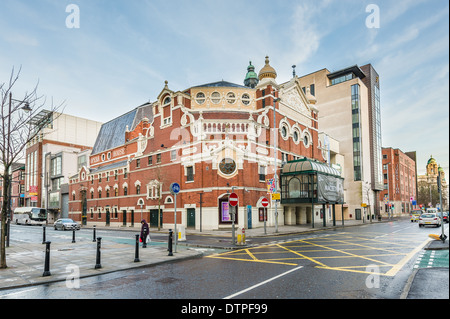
column 145, row 230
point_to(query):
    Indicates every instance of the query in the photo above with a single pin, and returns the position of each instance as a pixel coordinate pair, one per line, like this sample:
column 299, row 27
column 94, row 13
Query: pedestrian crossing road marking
column 340, row 252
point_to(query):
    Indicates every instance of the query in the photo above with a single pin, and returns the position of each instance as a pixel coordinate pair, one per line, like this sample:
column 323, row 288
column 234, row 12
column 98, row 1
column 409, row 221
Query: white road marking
column 16, row 293
column 261, row 283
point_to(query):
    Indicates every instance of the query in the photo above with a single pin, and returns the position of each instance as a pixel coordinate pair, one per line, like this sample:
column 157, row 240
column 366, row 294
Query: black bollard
column 136, row 254
column 170, row 242
column 73, row 236
column 47, row 260
column 97, row 262
column 43, row 234
column 93, row 239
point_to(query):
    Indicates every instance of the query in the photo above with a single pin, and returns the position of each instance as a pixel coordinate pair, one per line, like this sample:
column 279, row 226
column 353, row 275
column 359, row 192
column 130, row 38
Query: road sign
column 233, row 200
column 276, row 196
column 265, row 202
column 174, row 188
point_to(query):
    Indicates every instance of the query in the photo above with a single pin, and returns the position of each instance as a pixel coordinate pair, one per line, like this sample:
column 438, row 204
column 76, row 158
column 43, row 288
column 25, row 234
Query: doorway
column 191, row 217
column 154, row 218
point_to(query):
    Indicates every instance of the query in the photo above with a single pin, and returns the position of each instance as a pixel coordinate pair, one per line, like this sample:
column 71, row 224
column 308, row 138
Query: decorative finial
column 293, row 70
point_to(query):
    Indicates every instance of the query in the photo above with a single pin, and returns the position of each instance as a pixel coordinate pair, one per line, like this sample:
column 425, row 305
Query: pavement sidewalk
column 26, row 262
column 430, row 282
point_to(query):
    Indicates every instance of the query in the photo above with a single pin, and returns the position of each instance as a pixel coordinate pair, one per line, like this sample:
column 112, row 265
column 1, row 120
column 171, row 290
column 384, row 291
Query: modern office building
column 348, row 102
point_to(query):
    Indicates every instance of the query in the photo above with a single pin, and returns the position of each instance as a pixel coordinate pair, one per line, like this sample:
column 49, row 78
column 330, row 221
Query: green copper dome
column 431, row 160
column 251, row 79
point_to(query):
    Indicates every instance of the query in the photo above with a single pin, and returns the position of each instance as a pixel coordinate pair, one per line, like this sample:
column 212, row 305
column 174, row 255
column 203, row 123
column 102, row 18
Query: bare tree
column 16, row 130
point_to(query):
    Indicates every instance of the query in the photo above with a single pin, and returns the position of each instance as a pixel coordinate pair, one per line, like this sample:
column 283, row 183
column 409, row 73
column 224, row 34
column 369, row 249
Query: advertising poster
column 226, row 217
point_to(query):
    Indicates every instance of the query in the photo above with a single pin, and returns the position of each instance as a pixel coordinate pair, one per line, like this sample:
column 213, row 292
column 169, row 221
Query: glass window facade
column 356, row 129
column 341, row 79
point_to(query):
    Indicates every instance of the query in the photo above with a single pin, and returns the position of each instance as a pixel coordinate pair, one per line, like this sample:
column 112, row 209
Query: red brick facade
column 212, row 140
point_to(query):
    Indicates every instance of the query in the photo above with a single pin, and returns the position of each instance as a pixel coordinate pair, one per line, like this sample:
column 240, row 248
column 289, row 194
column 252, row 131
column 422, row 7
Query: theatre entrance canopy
column 310, row 181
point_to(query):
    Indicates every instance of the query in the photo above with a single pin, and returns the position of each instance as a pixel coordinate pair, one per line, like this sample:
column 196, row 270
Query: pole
column 443, row 237
column 47, row 260
column 201, row 202
column 388, row 201
column 169, row 248
column 265, row 218
column 136, row 251
column 232, row 223
column 43, row 234
column 97, row 260
column 176, row 234
column 93, row 239
column 73, row 236
column 275, row 157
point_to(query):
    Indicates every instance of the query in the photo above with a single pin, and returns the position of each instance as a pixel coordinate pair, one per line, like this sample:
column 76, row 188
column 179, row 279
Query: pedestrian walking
column 145, row 231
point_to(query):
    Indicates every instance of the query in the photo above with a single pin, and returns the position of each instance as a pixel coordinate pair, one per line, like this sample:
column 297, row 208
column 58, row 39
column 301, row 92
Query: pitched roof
column 221, row 84
column 112, row 133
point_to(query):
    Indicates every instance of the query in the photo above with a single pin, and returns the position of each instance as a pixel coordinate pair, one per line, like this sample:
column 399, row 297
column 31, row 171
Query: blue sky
column 123, row 52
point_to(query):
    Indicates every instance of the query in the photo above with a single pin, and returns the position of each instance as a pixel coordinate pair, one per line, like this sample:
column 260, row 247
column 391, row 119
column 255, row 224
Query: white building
column 52, row 156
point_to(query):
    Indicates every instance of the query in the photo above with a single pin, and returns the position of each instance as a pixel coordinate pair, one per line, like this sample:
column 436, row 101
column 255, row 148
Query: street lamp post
column 275, row 154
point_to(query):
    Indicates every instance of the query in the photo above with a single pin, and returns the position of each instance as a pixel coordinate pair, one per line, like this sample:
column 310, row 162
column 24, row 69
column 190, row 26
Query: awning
column 306, row 166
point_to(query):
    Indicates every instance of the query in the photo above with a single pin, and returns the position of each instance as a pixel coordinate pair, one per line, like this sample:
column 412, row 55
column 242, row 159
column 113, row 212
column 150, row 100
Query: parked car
column 446, row 217
column 65, row 224
column 429, row 219
column 415, row 216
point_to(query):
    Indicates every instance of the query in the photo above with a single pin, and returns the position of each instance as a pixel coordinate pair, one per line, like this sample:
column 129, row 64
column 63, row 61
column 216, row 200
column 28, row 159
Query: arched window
column 294, row 188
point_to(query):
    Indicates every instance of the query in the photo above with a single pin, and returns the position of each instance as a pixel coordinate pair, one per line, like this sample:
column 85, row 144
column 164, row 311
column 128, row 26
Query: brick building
column 400, row 182
column 212, row 139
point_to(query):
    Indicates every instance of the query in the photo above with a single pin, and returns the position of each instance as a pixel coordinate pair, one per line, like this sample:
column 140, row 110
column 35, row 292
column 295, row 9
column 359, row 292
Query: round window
column 231, row 98
column 296, row 137
column 245, row 99
column 284, row 131
column 215, row 97
column 227, row 166
column 200, row 98
column 306, row 140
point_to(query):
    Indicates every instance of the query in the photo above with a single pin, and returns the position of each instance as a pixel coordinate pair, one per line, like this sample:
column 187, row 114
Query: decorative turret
column 267, row 71
column 251, row 79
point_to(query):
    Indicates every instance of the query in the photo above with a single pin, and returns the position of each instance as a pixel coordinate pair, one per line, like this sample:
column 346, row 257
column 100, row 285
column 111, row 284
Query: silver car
column 65, row 224
column 429, row 219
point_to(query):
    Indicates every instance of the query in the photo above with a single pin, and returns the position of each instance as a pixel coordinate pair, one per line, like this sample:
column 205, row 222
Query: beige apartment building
column 348, row 101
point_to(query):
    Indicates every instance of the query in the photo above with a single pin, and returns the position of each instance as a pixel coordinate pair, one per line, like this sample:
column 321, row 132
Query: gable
column 293, row 97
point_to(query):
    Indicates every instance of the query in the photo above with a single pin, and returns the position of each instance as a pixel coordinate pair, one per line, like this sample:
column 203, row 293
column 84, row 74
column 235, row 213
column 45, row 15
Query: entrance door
column 108, row 217
column 191, row 217
column 154, row 218
column 249, row 217
column 124, row 217
column 358, row 214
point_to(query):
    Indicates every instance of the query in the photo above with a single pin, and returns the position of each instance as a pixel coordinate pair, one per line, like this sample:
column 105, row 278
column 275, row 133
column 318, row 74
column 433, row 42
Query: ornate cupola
column 251, row 79
column 267, row 71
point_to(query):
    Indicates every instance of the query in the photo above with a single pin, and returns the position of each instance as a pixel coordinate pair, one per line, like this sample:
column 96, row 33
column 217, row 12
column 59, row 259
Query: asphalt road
column 363, row 262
